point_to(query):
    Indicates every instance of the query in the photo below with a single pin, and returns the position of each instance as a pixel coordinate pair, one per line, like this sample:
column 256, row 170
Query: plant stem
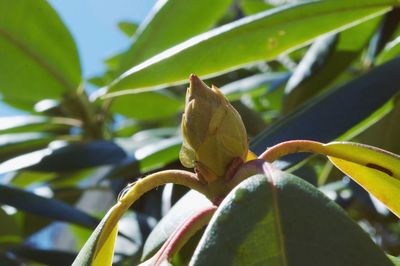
column 135, row 190
column 293, row 146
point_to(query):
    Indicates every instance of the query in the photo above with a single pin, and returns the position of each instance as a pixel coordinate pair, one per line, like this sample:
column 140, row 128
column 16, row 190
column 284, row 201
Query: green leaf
column 179, row 20
column 187, row 206
column 262, row 36
column 252, row 84
column 128, row 28
column 159, row 153
column 387, row 28
column 376, row 170
column 62, row 157
column 44, row 207
column 146, row 105
column 39, row 58
column 45, row 256
column 278, row 219
column 89, row 254
column 35, row 123
column 357, row 99
column 391, row 51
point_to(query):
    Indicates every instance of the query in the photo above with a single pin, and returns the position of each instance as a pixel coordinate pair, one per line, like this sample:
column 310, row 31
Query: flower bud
column 213, row 131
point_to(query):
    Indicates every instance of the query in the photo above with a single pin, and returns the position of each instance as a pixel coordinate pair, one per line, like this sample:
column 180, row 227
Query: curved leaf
column 376, row 170
column 262, row 36
column 44, row 207
column 278, row 219
column 38, row 55
column 149, row 40
column 357, row 100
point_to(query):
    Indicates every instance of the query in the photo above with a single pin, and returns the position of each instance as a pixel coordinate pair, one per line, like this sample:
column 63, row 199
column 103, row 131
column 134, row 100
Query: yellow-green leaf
column 376, row 170
column 105, row 253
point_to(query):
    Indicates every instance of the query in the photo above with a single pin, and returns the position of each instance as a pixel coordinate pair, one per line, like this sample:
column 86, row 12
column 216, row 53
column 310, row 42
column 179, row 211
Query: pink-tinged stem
column 182, row 234
column 293, row 146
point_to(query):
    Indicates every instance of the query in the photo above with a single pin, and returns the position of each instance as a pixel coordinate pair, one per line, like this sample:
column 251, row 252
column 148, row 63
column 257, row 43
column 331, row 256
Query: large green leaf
column 39, row 58
column 147, row 105
column 347, row 105
column 275, row 218
column 44, row 207
column 169, row 23
column 262, row 36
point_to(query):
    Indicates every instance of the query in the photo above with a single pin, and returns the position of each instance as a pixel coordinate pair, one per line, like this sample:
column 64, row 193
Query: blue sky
column 93, row 24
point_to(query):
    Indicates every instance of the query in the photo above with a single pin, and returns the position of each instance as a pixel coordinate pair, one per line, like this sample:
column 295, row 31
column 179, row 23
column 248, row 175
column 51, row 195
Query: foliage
column 319, row 70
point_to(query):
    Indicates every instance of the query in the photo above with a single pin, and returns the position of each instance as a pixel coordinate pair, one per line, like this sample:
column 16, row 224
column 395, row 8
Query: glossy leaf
column 376, row 170
column 38, row 55
column 149, row 40
column 357, row 100
column 44, row 207
column 293, row 224
column 262, row 36
column 63, row 157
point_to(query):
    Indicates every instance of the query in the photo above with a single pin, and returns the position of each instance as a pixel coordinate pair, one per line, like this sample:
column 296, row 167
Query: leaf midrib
column 42, row 63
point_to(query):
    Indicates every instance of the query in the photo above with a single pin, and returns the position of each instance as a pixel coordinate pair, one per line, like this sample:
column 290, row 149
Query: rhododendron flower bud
column 213, row 131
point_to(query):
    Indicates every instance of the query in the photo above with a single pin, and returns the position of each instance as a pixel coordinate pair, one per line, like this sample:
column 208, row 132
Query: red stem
column 183, row 233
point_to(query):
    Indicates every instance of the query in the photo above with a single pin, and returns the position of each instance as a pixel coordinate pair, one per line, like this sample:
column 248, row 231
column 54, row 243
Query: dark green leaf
column 45, row 256
column 38, row 55
column 44, row 207
column 262, row 36
column 328, row 58
column 346, row 105
column 278, row 219
column 67, row 157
